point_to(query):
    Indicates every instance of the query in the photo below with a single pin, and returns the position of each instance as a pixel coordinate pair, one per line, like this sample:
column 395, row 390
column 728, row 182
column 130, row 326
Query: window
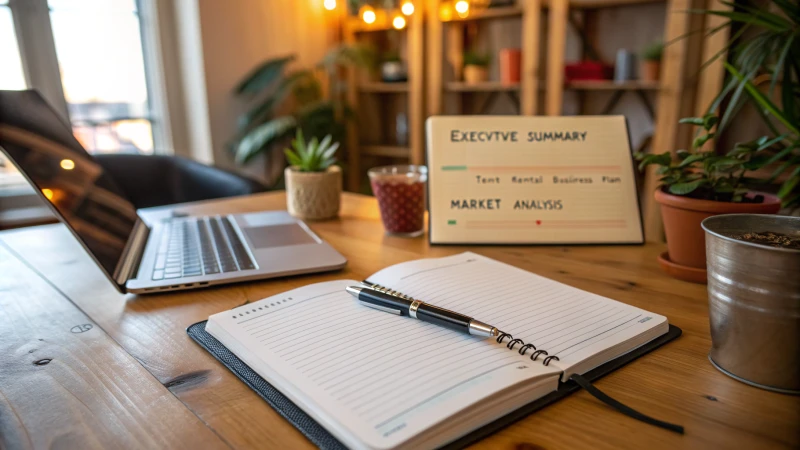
column 89, row 59
column 99, row 49
column 12, row 77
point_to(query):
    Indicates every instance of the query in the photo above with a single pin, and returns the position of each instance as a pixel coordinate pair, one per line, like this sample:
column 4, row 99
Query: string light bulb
column 67, row 164
column 48, row 193
column 462, row 8
column 445, row 11
column 407, row 8
column 399, row 22
column 367, row 14
column 330, row 5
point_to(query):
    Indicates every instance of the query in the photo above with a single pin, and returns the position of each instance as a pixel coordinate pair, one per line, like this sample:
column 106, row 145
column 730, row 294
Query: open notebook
column 376, row 380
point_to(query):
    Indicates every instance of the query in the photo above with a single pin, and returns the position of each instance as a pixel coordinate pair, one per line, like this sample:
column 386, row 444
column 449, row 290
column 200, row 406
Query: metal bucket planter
column 754, row 301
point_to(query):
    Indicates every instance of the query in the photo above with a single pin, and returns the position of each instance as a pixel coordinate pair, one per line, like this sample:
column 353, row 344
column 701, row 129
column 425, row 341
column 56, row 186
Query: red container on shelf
column 588, row 71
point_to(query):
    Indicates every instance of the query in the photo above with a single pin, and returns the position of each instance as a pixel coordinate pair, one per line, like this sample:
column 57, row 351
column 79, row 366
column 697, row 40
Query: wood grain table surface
column 83, row 366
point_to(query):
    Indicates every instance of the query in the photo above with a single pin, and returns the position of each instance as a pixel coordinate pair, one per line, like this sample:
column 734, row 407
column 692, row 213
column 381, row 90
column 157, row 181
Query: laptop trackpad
column 278, row 235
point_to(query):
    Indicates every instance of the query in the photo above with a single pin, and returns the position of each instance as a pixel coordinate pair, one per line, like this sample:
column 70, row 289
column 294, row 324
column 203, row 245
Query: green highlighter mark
column 451, row 222
column 450, row 168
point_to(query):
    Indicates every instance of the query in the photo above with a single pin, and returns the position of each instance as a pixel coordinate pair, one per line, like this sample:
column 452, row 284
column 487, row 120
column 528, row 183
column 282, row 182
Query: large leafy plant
column 283, row 101
column 764, row 70
column 704, row 174
column 764, row 47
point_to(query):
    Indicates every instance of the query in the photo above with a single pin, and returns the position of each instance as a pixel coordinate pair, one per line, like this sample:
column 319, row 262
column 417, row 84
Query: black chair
column 164, row 180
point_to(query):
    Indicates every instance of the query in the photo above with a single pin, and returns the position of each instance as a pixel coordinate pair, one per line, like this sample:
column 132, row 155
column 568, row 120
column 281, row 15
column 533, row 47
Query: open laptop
column 176, row 253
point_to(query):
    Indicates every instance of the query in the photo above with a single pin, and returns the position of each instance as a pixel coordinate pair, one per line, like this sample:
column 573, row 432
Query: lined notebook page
column 567, row 322
column 388, row 377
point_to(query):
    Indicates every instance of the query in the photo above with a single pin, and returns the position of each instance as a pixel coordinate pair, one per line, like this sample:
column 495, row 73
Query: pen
column 421, row 311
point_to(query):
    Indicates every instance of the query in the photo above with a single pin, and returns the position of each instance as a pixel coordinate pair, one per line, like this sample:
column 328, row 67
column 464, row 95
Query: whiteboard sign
column 529, row 180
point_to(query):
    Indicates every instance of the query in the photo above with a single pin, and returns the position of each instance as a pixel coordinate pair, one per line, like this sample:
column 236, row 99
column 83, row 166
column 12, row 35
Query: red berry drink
column 400, row 191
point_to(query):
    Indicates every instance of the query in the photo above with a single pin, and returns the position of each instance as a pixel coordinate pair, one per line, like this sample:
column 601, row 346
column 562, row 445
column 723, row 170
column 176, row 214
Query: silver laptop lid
column 86, row 199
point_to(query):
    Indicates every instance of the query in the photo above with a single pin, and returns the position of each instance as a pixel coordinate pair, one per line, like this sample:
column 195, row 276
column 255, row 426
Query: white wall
column 217, row 43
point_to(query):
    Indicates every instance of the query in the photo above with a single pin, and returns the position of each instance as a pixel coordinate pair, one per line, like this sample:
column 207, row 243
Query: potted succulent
column 313, row 182
column 476, row 67
column 699, row 184
column 650, row 67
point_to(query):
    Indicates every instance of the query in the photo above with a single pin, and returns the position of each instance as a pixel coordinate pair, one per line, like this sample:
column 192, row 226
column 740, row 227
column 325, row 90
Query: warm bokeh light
column 407, row 8
column 48, row 193
column 399, row 22
column 445, row 12
column 67, row 164
column 462, row 8
column 367, row 14
column 330, row 5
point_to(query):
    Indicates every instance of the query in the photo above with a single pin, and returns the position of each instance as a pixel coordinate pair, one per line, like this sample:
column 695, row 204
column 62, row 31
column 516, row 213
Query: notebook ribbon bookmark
column 624, row 409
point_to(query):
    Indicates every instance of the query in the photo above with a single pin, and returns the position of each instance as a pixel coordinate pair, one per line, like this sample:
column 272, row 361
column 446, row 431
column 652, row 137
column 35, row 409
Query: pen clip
column 382, row 308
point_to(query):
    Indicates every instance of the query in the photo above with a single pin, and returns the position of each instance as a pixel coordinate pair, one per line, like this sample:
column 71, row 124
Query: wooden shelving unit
column 373, row 99
column 492, row 13
column 390, row 151
column 435, row 76
column 380, row 87
column 612, row 86
column 488, row 86
column 443, row 81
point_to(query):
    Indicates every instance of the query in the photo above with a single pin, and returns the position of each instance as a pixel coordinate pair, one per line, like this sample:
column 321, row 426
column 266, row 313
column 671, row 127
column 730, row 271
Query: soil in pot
column 778, row 240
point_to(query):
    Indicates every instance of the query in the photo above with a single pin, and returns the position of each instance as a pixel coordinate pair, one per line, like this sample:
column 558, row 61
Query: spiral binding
column 510, row 345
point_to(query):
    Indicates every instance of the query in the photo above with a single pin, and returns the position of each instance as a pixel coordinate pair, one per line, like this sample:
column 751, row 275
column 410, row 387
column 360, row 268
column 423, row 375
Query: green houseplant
column 476, row 67
column 283, row 100
column 650, row 65
column 313, row 181
column 763, row 70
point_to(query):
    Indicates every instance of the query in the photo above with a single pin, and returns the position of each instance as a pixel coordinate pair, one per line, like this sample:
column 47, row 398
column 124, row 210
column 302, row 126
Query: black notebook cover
column 323, row 439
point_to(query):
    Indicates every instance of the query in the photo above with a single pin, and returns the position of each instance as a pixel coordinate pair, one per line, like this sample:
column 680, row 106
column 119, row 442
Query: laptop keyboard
column 200, row 246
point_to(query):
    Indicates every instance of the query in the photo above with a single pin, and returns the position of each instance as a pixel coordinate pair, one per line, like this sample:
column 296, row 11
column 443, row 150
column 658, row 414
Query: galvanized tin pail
column 754, row 301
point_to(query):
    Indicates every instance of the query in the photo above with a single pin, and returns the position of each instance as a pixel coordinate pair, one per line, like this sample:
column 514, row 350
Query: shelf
column 357, row 25
column 612, row 86
column 486, row 86
column 380, row 87
column 392, row 151
column 598, row 4
column 491, row 13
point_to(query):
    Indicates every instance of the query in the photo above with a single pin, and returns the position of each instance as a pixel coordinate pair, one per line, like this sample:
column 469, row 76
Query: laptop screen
column 43, row 148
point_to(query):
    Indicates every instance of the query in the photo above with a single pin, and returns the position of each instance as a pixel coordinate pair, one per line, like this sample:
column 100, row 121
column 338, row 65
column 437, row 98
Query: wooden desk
column 83, row 366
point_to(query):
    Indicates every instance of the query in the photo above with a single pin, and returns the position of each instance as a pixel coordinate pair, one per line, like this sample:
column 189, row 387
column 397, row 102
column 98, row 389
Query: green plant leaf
column 692, row 159
column 682, row 154
column 756, row 162
column 763, row 101
column 699, row 141
column 789, row 185
column 663, row 159
column 292, row 158
column 709, row 120
column 263, row 76
column 686, row 188
column 692, row 121
column 263, row 137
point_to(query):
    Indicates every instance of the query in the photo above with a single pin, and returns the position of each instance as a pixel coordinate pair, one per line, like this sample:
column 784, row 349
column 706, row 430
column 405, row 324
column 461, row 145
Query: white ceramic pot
column 313, row 195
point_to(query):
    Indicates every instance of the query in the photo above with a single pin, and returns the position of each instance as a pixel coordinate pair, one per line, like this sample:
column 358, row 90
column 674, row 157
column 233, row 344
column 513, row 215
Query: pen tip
column 354, row 290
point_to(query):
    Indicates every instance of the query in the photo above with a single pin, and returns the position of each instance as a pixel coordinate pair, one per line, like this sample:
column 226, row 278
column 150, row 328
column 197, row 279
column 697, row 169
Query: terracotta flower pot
column 313, row 195
column 649, row 70
column 510, row 60
column 475, row 74
column 686, row 243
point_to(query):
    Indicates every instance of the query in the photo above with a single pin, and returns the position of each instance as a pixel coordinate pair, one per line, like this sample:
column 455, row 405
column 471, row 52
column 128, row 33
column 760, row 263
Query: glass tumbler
column 400, row 191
